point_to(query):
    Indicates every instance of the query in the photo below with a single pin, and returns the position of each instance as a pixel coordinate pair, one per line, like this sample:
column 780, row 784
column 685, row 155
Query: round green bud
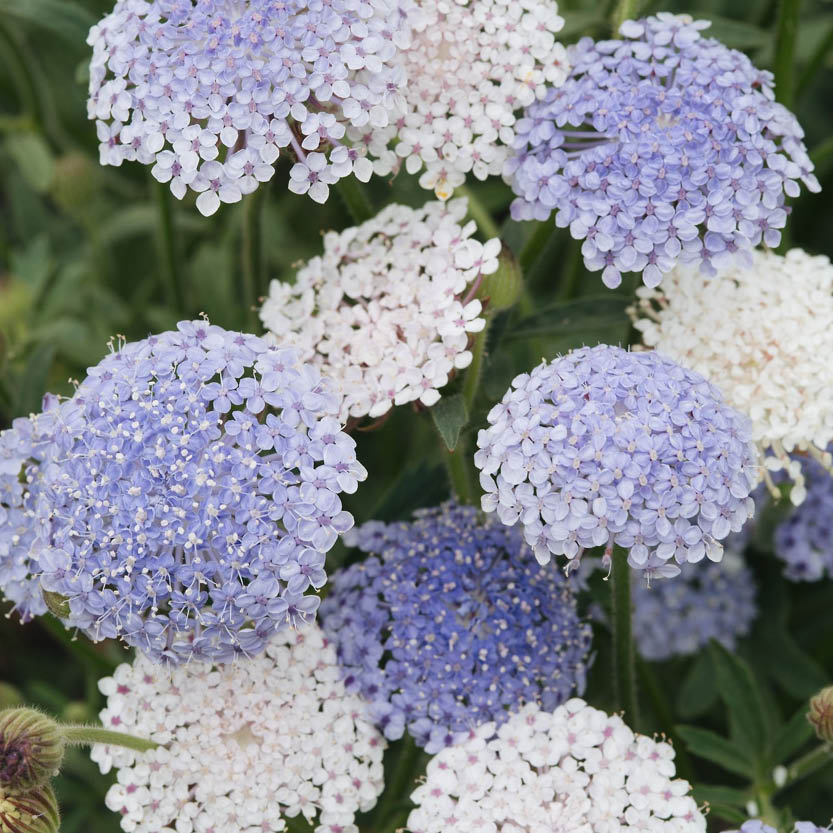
column 31, row 748
column 29, row 811
column 821, row 713
column 502, row 289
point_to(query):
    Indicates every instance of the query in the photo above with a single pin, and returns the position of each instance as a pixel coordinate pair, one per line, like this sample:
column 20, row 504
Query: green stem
column 168, row 249
column 814, row 64
column 810, row 763
column 355, row 197
column 625, row 10
column 252, row 254
column 821, row 156
column 479, row 213
column 85, row 735
column 788, row 16
column 475, row 369
column 408, row 766
column 624, row 658
column 458, row 473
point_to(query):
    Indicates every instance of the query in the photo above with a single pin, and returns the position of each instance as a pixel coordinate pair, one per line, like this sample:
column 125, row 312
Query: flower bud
column 502, row 288
column 29, row 811
column 821, row 713
column 31, row 748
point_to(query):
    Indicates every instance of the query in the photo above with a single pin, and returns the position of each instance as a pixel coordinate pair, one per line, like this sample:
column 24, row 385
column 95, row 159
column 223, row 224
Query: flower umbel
column 387, row 310
column 471, row 66
column 604, row 447
column 245, row 744
column 762, row 333
column 662, row 147
column 574, row 769
column 450, row 623
column 192, row 493
column 211, row 93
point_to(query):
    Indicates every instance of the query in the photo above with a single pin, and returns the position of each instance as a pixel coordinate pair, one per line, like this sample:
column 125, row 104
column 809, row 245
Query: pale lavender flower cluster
column 450, row 624
column 679, row 617
column 21, row 449
column 604, row 447
column 661, row 147
column 210, row 93
column 190, row 494
column 804, row 540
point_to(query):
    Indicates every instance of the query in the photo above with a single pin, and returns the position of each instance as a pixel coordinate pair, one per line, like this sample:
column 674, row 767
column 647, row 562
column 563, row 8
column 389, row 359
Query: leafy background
column 88, row 252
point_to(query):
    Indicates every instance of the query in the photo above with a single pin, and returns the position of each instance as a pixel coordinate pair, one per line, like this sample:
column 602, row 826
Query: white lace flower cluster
column 763, row 334
column 387, row 310
column 471, row 65
column 575, row 769
column 245, row 744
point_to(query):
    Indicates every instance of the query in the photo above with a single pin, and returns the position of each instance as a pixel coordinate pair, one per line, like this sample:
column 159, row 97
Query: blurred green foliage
column 84, row 255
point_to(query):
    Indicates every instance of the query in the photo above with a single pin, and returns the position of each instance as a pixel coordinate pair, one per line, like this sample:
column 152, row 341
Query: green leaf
column 34, row 381
column 794, row 670
column 792, row 736
column 33, row 158
column 698, row 691
column 450, row 417
column 571, row 324
column 737, row 34
column 739, row 690
column 728, row 796
column 63, row 17
column 709, row 745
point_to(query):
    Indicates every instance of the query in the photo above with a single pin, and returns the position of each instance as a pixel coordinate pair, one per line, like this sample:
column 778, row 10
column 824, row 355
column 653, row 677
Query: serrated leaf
column 698, row 691
column 739, row 691
column 792, row 736
column 33, row 158
column 450, row 417
column 709, row 745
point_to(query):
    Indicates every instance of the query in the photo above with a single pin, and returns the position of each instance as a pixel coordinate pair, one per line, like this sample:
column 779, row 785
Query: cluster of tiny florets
column 450, row 624
column 211, row 93
column 387, row 310
column 604, row 447
column 244, row 746
column 758, row 826
column 192, row 494
column 763, row 333
column 661, row 147
column 804, row 539
column 22, row 448
column 471, row 66
column 575, row 769
column 678, row 617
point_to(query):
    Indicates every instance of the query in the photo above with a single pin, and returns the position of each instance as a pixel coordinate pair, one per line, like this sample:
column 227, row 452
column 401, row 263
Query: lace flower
column 387, row 310
column 678, row 617
column 662, row 147
column 211, row 93
column 575, row 769
column 604, row 447
column 471, row 66
column 763, row 334
column 450, row 623
column 246, row 745
column 192, row 493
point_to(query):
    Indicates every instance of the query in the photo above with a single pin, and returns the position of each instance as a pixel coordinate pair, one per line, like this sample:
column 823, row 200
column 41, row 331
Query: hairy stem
column 168, row 249
column 85, row 735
